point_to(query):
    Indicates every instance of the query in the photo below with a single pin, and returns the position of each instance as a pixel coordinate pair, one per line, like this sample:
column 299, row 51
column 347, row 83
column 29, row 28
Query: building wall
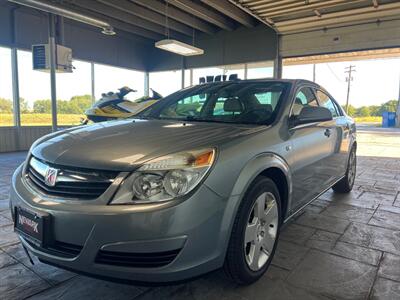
column 385, row 34
column 239, row 46
column 19, row 139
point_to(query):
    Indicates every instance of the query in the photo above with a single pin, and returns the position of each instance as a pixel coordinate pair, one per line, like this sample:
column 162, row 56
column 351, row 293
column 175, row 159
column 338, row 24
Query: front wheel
column 345, row 185
column 255, row 233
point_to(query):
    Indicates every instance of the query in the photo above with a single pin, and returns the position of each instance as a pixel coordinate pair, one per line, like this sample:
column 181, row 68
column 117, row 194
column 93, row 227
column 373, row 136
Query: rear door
column 312, row 147
column 340, row 141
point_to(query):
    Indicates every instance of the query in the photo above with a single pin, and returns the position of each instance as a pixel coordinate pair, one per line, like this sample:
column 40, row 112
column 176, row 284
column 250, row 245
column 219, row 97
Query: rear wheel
column 345, row 185
column 255, row 233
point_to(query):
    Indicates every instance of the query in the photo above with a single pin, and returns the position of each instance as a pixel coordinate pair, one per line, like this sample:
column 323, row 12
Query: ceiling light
column 178, row 47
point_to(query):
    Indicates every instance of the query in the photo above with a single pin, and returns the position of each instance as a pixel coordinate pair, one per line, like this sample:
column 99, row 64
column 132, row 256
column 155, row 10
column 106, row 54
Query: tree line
column 372, row 110
column 76, row 105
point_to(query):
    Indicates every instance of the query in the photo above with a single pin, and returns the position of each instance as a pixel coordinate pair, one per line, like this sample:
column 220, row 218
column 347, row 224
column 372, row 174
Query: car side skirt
column 313, row 199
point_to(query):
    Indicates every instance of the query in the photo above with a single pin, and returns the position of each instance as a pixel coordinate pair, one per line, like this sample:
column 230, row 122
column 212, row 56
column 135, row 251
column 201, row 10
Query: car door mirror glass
column 312, row 114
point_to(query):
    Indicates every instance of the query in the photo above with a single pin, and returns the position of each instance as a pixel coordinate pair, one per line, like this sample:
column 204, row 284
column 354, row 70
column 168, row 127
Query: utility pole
column 349, row 79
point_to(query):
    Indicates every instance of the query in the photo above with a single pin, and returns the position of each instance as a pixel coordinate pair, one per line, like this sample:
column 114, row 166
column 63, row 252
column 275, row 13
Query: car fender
column 249, row 172
column 255, row 167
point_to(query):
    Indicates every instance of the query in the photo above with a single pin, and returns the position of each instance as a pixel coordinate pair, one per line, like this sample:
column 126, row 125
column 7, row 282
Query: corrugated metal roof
column 290, row 16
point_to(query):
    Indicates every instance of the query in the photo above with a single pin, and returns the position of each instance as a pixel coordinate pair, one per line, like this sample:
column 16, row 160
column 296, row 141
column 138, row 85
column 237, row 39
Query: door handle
column 327, row 132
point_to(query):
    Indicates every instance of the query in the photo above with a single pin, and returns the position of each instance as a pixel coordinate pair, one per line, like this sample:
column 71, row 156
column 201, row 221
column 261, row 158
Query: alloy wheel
column 352, row 168
column 261, row 231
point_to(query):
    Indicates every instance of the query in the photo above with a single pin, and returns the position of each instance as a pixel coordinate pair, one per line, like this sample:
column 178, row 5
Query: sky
column 375, row 81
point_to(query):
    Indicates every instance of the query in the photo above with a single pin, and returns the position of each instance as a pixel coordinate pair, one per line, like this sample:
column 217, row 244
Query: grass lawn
column 368, row 120
column 41, row 119
column 73, row 119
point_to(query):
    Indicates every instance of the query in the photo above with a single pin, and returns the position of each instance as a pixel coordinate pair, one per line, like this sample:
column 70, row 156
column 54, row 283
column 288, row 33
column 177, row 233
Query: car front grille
column 136, row 260
column 59, row 249
column 75, row 183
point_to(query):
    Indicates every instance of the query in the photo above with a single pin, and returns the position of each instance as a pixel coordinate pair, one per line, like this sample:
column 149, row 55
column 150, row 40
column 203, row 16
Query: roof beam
column 149, row 15
column 232, row 11
column 203, row 13
column 178, row 15
column 269, row 4
column 129, row 28
column 123, row 16
column 343, row 56
column 135, row 30
column 338, row 18
column 257, row 1
column 337, row 15
column 284, row 10
column 267, row 21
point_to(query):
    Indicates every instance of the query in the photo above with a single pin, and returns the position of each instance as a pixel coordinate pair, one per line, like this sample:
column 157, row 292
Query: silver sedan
column 203, row 179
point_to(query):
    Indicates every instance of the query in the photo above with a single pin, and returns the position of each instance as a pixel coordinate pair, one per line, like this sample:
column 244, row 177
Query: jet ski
column 114, row 105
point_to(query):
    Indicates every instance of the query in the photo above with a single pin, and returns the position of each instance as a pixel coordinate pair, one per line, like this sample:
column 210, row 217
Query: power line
column 349, row 79
column 333, row 72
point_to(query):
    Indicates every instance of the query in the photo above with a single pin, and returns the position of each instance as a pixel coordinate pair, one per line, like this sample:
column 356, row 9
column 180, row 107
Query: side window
column 304, row 97
column 327, row 102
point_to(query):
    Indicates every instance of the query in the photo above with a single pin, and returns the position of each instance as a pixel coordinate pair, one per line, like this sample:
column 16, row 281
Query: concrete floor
column 341, row 247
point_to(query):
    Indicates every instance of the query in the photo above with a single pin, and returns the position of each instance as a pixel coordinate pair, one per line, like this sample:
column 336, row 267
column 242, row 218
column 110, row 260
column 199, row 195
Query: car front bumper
column 197, row 230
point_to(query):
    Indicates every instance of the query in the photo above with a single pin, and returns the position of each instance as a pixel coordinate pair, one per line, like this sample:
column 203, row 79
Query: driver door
column 311, row 148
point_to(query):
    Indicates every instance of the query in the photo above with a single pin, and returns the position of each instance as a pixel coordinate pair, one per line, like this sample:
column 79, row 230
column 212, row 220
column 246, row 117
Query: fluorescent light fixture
column 178, row 47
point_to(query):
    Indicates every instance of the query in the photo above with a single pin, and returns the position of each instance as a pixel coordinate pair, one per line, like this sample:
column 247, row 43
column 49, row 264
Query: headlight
column 165, row 178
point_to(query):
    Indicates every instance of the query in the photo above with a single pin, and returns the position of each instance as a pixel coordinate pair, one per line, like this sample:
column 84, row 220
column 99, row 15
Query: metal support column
column 53, row 86
column 183, row 78
column 314, row 72
column 14, row 73
column 245, row 71
column 60, row 37
column 15, row 87
column 278, row 59
column 146, row 84
column 92, row 82
column 398, row 108
column 183, row 72
column 191, row 77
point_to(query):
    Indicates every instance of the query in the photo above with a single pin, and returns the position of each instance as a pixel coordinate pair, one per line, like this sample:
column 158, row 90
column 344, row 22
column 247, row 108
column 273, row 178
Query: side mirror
column 312, row 114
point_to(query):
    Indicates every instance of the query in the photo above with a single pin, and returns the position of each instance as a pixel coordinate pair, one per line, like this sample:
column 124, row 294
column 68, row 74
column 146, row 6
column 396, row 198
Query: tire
column 345, row 185
column 239, row 265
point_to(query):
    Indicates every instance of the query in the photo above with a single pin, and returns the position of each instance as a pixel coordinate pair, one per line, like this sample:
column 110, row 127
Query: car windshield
column 235, row 102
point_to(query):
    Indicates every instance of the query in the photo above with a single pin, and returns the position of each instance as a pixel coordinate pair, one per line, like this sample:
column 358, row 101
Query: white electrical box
column 41, row 58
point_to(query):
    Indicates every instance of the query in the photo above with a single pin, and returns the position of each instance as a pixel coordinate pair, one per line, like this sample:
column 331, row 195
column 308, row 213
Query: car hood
column 123, row 145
